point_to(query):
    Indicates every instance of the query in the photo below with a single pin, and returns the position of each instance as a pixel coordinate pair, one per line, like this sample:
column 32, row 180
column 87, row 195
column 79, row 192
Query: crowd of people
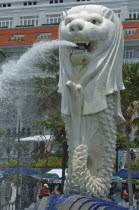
column 116, row 196
column 123, row 195
column 44, row 191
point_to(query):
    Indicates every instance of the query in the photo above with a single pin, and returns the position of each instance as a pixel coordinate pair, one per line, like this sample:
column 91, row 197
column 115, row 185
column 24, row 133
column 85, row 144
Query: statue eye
column 95, row 21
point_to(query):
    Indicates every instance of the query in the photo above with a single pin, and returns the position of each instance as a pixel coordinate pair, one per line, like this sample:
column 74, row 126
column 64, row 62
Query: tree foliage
column 130, row 99
column 130, row 95
column 121, row 141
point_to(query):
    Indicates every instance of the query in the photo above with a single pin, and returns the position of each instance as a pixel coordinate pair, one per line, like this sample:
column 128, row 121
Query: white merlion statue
column 90, row 83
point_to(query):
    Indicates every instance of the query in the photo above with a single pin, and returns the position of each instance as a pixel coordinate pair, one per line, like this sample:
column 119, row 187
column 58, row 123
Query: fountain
column 16, row 84
column 24, row 68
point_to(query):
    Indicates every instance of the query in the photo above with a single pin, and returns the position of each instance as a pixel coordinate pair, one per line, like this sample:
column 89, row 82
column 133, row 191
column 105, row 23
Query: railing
column 125, row 156
column 9, row 206
column 131, row 60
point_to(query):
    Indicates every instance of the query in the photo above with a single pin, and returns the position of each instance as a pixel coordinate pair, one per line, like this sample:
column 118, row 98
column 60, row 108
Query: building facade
column 24, row 13
column 42, row 13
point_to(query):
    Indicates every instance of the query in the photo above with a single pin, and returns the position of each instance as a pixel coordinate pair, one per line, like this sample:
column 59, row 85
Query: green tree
column 121, row 141
column 128, row 98
column 135, row 124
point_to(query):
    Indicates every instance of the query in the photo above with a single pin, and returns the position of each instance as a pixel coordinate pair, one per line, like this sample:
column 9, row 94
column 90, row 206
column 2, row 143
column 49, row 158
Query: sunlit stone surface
column 90, row 84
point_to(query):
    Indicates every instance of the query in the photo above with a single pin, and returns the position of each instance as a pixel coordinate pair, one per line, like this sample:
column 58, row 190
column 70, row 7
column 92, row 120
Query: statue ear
column 109, row 15
column 63, row 15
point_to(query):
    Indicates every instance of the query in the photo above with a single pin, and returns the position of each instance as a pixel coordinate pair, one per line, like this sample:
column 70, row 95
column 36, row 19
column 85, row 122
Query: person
column 110, row 196
column 57, row 190
column 44, row 191
column 136, row 194
column 126, row 195
column 136, row 197
column 117, row 197
column 133, row 154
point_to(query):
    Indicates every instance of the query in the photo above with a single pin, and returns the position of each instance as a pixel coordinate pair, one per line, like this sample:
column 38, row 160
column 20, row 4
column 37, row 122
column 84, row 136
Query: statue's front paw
column 75, row 91
column 72, row 85
column 69, row 83
column 79, row 87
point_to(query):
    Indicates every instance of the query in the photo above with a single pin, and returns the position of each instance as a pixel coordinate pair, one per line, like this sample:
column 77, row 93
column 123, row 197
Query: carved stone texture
column 90, row 83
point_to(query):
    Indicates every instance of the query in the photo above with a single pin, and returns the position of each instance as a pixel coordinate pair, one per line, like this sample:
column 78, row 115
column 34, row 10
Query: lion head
column 92, row 32
column 96, row 62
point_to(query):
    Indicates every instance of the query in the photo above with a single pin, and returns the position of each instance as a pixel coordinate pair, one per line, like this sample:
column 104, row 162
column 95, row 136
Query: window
column 129, row 31
column 6, row 22
column 56, row 1
column 129, row 53
column 118, row 12
column 134, row 14
column 30, row 3
column 29, row 20
column 5, row 5
column 44, row 36
column 17, row 37
column 82, row 0
column 16, row 57
column 50, row 19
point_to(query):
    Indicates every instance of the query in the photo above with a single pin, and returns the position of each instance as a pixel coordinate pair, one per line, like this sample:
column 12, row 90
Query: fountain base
column 76, row 202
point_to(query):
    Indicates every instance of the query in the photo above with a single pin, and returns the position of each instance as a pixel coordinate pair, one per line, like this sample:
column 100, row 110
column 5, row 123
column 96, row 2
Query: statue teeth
column 82, row 42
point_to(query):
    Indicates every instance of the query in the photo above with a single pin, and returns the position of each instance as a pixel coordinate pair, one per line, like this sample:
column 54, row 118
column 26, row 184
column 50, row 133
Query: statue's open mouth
column 80, row 54
column 86, row 46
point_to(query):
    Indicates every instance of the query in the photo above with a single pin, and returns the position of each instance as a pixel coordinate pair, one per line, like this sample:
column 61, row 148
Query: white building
column 21, row 13
column 42, row 13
